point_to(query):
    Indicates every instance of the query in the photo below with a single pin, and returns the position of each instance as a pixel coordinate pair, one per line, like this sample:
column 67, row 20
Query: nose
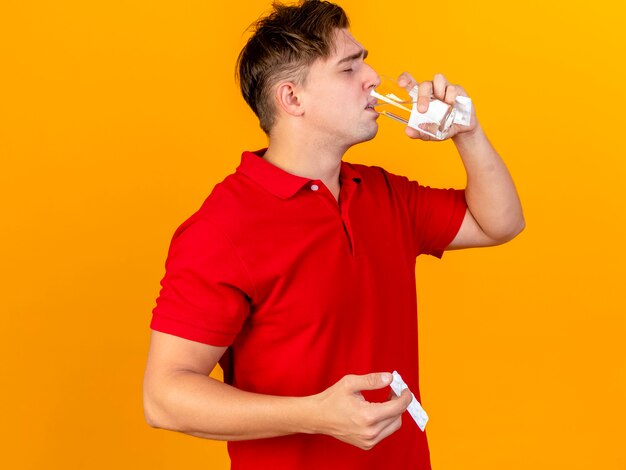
column 377, row 81
column 373, row 79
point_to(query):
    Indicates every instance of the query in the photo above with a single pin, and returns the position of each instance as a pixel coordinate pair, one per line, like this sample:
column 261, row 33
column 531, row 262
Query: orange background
column 118, row 117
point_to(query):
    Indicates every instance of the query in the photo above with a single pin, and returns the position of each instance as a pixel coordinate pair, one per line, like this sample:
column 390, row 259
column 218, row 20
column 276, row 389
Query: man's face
column 336, row 94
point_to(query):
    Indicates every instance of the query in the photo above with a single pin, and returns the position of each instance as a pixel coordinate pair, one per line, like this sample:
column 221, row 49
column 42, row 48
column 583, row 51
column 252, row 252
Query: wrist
column 308, row 418
column 468, row 137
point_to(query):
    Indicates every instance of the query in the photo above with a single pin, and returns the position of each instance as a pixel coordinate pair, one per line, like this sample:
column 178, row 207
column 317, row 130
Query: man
column 298, row 272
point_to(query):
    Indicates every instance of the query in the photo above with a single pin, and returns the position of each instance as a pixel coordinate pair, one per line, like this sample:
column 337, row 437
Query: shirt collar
column 277, row 181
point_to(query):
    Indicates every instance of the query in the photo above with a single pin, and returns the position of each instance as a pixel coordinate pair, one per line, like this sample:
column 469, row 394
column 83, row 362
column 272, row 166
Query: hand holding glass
column 397, row 103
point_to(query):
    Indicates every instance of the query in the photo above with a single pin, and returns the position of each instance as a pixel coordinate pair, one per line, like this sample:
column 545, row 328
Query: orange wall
column 118, row 117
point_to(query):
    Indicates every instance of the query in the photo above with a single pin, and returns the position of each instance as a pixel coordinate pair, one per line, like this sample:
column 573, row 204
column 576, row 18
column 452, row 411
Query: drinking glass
column 396, row 103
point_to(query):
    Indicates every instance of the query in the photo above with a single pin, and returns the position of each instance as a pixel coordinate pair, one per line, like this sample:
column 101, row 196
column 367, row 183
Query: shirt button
column 314, row 187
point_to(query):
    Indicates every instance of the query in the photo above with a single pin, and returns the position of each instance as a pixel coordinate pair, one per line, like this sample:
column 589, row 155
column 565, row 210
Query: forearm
column 204, row 407
column 490, row 193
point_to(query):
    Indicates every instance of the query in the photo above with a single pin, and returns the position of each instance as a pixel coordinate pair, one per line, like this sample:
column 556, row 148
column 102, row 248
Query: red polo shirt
column 304, row 290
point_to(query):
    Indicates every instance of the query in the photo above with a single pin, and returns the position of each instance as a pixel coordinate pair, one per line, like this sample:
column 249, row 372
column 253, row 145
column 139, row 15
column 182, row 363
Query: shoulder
column 209, row 222
column 228, row 203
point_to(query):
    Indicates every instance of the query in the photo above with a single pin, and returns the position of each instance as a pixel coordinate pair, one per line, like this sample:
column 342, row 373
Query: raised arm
column 180, row 396
column 494, row 214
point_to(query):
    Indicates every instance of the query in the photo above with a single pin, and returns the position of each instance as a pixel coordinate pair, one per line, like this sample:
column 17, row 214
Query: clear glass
column 396, row 103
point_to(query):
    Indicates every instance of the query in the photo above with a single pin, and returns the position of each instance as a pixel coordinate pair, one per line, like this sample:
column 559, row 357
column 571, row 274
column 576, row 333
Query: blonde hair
column 282, row 46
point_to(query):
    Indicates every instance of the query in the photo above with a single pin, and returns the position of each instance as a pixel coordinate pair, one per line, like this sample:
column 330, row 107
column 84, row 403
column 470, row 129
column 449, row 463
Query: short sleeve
column 205, row 293
column 436, row 214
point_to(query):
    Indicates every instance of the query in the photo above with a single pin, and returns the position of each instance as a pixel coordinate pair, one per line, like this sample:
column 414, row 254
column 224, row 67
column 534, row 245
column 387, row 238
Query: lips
column 371, row 103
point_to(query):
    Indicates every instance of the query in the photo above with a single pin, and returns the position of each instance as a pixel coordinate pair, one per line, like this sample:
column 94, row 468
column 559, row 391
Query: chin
column 362, row 134
column 369, row 134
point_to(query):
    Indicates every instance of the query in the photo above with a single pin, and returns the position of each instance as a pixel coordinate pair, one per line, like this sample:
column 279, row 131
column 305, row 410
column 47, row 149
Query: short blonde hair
column 282, row 47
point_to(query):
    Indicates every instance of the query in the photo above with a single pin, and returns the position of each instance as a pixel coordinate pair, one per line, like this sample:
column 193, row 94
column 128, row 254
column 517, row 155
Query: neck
column 307, row 159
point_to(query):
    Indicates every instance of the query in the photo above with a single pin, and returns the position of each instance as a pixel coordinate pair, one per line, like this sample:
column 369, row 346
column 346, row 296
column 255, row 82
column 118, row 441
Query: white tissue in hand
column 415, row 409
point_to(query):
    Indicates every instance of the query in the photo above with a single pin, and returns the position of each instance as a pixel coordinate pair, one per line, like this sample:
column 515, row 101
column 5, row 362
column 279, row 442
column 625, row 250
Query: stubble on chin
column 369, row 132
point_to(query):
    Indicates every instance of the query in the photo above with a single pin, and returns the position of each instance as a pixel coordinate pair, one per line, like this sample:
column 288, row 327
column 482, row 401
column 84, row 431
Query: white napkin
column 415, row 409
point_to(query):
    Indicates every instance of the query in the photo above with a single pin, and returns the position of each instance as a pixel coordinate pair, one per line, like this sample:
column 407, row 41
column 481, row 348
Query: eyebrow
column 362, row 53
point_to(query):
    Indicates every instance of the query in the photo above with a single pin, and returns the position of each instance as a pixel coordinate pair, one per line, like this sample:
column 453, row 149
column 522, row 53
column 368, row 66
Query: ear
column 288, row 99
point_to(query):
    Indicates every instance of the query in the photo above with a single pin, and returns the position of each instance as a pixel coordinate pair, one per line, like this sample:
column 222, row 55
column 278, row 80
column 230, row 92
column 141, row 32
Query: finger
column 424, row 92
column 374, row 381
column 406, row 81
column 383, row 431
column 451, row 94
column 460, row 91
column 412, row 133
column 390, row 409
column 389, row 428
column 416, row 134
column 429, row 129
column 439, row 86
